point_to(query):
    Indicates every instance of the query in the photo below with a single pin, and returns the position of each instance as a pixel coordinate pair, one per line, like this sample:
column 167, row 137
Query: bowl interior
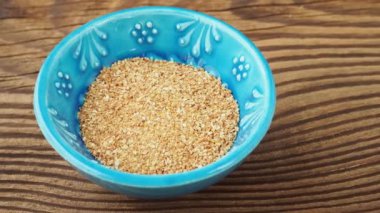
column 160, row 33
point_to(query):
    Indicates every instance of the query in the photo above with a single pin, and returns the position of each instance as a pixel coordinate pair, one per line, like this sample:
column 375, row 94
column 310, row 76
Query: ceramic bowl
column 165, row 33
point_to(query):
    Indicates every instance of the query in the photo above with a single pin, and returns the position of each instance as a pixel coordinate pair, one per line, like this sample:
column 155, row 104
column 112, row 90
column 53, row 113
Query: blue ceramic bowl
column 161, row 33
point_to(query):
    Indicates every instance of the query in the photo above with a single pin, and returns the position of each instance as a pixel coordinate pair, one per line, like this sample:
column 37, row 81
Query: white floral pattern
column 254, row 108
column 89, row 49
column 144, row 33
column 240, row 68
column 63, row 129
column 63, row 84
column 203, row 39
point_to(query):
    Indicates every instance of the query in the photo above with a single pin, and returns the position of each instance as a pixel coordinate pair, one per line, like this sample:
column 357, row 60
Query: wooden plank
column 321, row 154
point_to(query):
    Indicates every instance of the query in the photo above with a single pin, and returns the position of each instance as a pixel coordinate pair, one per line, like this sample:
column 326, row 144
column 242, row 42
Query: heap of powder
column 157, row 117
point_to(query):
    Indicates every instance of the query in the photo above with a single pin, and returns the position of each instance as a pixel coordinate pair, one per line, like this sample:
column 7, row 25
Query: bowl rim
column 91, row 168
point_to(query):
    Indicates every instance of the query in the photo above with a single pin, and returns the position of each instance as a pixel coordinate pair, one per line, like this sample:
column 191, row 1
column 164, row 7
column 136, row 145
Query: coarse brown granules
column 157, row 117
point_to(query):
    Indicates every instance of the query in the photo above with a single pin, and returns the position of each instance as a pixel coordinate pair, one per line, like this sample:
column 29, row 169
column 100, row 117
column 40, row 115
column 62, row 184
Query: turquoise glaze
column 161, row 33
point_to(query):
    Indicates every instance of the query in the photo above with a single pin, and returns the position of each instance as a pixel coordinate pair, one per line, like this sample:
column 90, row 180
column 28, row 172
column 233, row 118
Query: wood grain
column 322, row 153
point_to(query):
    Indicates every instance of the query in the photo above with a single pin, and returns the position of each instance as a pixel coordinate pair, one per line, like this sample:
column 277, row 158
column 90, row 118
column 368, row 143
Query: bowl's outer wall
column 161, row 33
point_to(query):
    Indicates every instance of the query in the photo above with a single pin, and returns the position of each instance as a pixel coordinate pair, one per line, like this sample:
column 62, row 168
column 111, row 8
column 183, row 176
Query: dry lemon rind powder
column 157, row 117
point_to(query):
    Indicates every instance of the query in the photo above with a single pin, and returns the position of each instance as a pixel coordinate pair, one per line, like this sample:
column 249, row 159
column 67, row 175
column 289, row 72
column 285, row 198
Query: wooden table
column 322, row 153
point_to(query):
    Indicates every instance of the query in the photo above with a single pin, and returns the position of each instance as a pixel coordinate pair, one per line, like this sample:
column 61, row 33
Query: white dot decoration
column 234, row 71
column 242, row 59
column 235, row 60
column 149, row 39
column 238, row 77
column 138, row 26
column 149, row 24
column 246, row 66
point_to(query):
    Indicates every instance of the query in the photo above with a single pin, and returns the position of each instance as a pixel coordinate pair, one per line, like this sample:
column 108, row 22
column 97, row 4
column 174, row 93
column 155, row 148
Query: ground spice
column 157, row 117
